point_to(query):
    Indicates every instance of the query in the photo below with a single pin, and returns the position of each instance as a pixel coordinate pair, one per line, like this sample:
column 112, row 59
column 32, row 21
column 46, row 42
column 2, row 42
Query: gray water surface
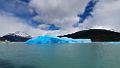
column 89, row 55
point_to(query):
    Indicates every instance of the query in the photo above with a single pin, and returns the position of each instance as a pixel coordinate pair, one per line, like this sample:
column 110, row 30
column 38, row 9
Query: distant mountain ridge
column 96, row 35
column 16, row 37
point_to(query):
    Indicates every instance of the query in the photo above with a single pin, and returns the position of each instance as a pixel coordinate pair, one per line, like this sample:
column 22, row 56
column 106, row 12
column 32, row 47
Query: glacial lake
column 87, row 55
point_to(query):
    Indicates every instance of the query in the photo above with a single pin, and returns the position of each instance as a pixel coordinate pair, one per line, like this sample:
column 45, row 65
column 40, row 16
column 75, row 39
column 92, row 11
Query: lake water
column 88, row 55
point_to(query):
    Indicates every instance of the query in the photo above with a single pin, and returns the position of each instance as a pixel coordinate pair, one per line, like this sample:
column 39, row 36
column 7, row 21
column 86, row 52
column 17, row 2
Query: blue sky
column 58, row 17
column 88, row 10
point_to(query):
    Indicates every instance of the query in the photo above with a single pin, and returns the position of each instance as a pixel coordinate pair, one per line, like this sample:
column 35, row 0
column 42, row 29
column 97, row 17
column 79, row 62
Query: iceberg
column 114, row 42
column 48, row 39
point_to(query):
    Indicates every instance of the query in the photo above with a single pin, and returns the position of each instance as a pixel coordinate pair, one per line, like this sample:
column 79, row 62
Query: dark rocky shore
column 96, row 35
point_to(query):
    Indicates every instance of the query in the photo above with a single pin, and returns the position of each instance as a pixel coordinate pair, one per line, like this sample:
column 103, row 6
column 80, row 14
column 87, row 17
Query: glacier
column 49, row 39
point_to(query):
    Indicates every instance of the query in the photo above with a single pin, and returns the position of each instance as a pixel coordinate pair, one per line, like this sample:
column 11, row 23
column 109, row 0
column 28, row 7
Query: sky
column 58, row 17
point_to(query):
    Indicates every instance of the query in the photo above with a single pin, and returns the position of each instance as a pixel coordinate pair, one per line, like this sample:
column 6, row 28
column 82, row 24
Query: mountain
column 96, row 35
column 16, row 37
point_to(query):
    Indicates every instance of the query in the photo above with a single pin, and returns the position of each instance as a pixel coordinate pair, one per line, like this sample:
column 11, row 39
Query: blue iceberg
column 114, row 42
column 48, row 39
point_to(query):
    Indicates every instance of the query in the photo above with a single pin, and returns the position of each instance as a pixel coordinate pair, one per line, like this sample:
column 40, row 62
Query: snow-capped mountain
column 16, row 37
column 22, row 34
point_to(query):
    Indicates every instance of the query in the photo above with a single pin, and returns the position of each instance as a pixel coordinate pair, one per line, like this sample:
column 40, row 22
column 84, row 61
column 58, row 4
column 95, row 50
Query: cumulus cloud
column 58, row 12
column 10, row 24
column 105, row 16
column 61, row 13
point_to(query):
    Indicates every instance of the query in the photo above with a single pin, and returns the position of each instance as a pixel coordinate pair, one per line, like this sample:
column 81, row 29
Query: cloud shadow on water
column 8, row 64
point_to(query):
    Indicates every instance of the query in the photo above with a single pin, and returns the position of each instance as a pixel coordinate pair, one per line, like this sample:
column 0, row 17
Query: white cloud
column 11, row 24
column 106, row 15
column 62, row 13
column 58, row 12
